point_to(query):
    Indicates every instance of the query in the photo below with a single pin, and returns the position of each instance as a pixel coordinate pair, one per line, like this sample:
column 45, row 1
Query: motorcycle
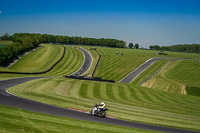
column 101, row 112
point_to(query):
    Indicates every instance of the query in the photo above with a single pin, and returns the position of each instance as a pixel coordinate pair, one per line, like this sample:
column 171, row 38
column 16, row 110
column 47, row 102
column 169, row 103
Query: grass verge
column 39, row 60
column 124, row 101
column 22, row 121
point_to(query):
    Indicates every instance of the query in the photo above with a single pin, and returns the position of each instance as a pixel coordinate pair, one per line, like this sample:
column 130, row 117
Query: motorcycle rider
column 101, row 106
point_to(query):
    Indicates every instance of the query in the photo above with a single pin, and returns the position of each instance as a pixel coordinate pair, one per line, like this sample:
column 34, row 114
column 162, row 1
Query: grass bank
column 150, row 71
column 71, row 62
column 187, row 72
column 124, row 101
column 39, row 60
column 116, row 66
column 47, row 56
column 181, row 77
column 22, row 121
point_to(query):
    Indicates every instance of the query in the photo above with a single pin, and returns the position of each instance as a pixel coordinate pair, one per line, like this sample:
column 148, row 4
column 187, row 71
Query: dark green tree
column 5, row 37
column 120, row 45
column 130, row 45
column 27, row 42
column 151, row 47
column 191, row 48
column 136, row 46
column 156, row 47
column 58, row 39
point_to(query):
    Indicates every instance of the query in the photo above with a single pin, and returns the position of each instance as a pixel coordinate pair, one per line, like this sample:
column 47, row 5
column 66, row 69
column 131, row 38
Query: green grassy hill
column 186, row 71
column 21, row 121
column 43, row 59
column 39, row 61
column 71, row 62
column 181, row 77
column 125, row 101
column 115, row 66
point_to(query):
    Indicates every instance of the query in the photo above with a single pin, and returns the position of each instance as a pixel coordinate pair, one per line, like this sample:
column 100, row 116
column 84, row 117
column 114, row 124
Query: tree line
column 26, row 41
column 191, row 48
column 46, row 38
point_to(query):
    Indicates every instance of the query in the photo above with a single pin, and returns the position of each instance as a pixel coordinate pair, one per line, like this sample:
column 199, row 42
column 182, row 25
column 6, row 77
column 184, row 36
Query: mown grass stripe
column 102, row 92
column 109, row 92
column 121, row 93
column 89, row 90
column 74, row 90
column 83, row 90
column 127, row 93
column 115, row 91
column 96, row 90
column 135, row 95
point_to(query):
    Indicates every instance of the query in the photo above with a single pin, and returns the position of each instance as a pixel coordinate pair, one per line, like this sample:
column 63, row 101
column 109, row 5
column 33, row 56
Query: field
column 125, row 101
column 21, row 121
column 115, row 66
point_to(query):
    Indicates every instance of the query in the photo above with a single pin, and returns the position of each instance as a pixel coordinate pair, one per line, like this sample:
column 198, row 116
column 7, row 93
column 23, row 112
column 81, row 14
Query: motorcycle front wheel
column 90, row 113
column 102, row 114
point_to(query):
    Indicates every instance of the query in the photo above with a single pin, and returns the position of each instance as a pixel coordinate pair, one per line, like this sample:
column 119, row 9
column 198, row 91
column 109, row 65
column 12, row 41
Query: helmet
column 102, row 103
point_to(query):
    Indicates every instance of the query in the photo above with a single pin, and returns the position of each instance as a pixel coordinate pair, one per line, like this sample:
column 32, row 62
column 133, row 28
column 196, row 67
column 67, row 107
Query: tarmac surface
column 87, row 62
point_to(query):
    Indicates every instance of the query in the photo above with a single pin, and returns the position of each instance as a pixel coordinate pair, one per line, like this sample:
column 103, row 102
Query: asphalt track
column 87, row 62
column 131, row 76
